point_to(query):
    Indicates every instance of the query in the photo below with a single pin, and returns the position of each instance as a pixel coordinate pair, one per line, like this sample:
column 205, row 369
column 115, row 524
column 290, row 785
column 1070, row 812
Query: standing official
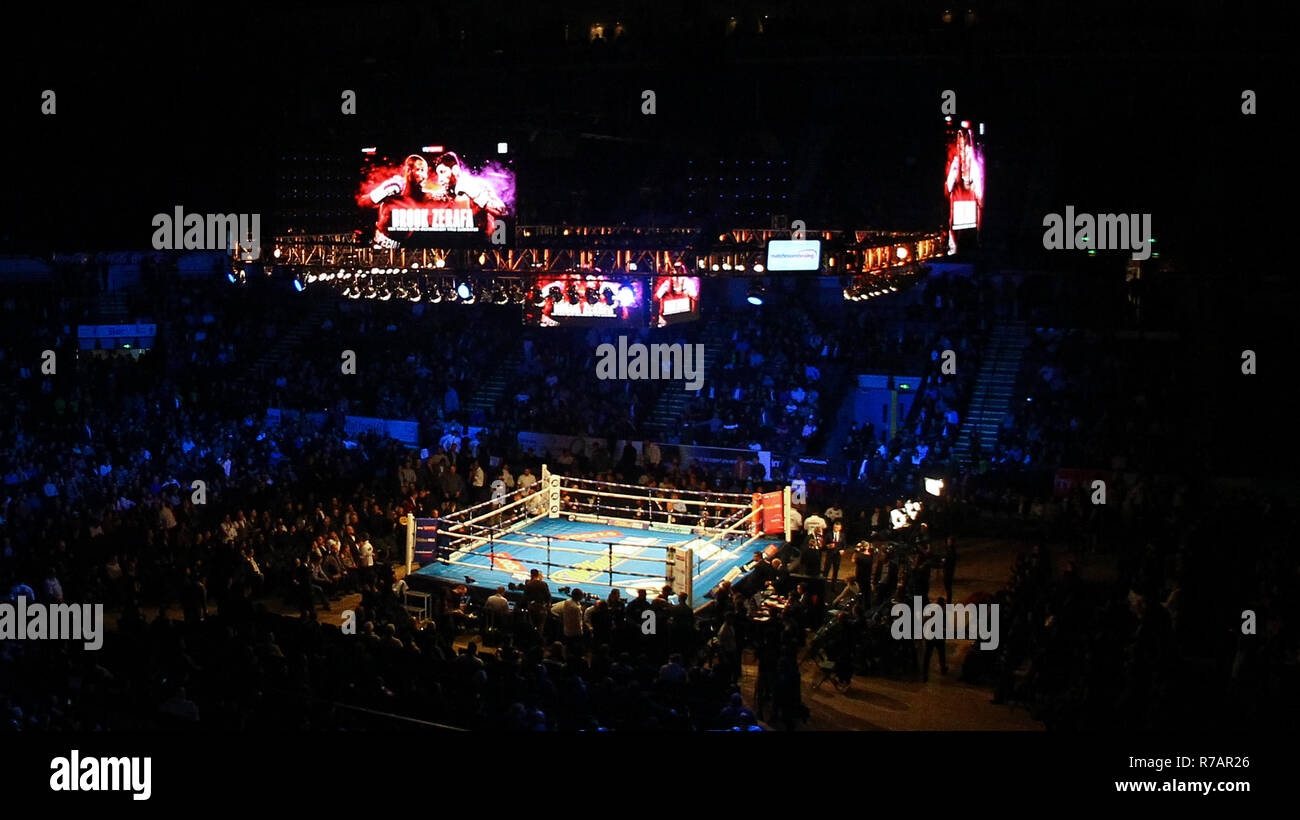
column 832, row 552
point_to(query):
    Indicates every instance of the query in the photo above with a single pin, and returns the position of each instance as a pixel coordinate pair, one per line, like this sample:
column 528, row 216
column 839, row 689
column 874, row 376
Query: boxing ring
column 597, row 536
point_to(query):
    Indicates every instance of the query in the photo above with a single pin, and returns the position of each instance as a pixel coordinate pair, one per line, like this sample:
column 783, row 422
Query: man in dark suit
column 780, row 577
column 931, row 644
column 760, row 572
column 833, row 551
column 863, row 560
column 949, row 566
column 537, row 597
column 810, row 561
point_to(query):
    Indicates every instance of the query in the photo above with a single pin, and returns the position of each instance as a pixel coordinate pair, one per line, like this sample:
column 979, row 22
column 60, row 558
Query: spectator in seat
column 53, row 589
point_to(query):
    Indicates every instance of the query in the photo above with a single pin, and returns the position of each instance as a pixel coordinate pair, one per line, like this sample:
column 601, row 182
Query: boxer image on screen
column 456, row 184
column 965, row 182
column 684, row 291
column 405, row 190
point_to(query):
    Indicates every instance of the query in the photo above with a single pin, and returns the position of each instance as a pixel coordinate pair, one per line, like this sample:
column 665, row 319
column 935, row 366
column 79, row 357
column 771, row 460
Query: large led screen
column 675, row 299
column 794, row 255
column 435, row 199
column 964, row 180
column 586, row 300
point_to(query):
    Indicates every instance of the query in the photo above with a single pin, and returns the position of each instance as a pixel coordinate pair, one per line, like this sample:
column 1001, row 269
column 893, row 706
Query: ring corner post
column 410, row 542
column 787, row 509
column 688, row 562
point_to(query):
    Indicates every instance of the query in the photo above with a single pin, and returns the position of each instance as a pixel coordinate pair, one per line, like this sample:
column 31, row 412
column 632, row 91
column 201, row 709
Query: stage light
column 715, row 268
column 740, row 268
column 755, row 296
column 297, row 284
column 463, row 290
column 626, row 296
column 482, row 258
column 276, row 253
column 759, row 268
column 901, row 252
column 502, row 148
column 439, row 262
column 701, row 264
column 726, row 266
column 231, row 277
column 374, row 271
